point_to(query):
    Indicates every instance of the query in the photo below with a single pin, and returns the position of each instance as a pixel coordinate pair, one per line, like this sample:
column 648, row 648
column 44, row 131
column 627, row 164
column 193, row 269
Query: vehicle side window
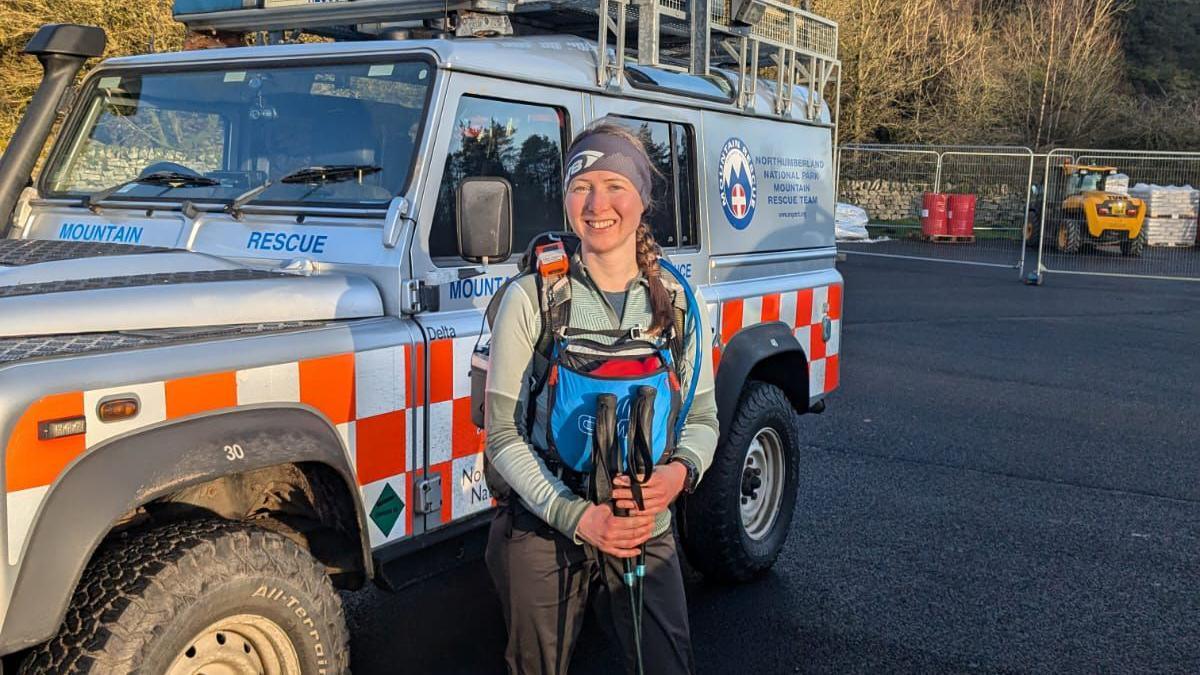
column 520, row 142
column 673, row 216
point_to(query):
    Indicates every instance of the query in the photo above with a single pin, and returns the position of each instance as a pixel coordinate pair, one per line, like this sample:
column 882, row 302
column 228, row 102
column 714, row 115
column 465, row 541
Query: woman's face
column 604, row 209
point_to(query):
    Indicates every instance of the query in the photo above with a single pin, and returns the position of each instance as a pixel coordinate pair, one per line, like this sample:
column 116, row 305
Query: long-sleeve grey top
column 515, row 331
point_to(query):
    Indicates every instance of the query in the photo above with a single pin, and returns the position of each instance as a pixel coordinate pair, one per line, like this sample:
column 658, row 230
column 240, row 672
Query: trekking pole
column 637, row 462
column 641, row 456
column 607, row 463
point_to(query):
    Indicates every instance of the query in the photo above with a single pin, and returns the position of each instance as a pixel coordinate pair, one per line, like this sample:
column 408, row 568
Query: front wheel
column 195, row 597
column 736, row 523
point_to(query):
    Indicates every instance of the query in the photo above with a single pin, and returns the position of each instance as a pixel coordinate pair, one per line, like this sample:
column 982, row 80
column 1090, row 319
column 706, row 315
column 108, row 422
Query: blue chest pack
column 639, row 376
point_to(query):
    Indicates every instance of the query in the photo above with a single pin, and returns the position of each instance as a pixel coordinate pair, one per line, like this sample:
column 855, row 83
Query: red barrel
column 933, row 214
column 962, row 215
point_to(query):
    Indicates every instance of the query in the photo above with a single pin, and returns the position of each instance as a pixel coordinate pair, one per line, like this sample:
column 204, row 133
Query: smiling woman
column 611, row 437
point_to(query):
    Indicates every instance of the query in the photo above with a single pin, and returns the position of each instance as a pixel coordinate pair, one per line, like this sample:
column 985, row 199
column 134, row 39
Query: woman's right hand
column 618, row 536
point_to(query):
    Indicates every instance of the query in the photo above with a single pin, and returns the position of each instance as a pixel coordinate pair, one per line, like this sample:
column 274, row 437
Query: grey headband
column 608, row 152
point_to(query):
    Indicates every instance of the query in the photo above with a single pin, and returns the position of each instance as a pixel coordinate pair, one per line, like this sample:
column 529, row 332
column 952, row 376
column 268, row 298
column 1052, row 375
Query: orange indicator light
column 117, row 409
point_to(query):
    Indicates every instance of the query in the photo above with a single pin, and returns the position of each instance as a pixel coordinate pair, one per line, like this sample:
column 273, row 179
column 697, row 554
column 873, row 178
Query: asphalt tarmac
column 1106, row 258
column 1007, row 481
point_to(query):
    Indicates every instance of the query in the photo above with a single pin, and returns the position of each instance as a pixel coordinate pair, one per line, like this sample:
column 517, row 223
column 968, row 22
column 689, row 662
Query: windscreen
column 238, row 128
column 1085, row 182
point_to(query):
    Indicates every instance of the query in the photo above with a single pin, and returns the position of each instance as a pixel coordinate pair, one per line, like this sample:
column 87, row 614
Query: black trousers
column 546, row 583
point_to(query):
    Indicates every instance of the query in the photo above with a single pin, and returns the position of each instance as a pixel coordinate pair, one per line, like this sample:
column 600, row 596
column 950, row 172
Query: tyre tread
column 126, row 592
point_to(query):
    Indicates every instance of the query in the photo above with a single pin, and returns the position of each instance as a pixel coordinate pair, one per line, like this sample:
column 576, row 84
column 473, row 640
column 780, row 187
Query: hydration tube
column 692, row 323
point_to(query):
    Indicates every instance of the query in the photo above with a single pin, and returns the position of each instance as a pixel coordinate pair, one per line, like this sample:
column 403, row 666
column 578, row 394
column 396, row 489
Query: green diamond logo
column 387, row 510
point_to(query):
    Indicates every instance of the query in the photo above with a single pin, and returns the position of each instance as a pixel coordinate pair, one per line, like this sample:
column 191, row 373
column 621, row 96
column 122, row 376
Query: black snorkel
column 62, row 50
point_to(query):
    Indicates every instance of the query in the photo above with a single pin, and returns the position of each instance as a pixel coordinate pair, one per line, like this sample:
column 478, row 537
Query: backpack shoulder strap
column 552, row 267
column 554, row 304
column 553, row 299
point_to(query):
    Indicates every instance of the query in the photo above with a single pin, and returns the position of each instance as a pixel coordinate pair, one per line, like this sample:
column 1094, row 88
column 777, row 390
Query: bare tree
column 895, row 52
column 1063, row 59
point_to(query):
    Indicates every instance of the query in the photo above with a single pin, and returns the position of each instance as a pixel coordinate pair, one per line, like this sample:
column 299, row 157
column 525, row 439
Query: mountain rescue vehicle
column 238, row 305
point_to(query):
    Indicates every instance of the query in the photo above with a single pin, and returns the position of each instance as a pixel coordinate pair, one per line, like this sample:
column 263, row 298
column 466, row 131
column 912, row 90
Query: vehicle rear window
column 670, row 146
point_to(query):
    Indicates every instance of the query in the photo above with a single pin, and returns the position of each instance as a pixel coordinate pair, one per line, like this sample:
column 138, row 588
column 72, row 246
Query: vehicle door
column 490, row 127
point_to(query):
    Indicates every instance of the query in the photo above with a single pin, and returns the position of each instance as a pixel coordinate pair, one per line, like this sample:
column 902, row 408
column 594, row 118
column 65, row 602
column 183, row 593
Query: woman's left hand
column 658, row 493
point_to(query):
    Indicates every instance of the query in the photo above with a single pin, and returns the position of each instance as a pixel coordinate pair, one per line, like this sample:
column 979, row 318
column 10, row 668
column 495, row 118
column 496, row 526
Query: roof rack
column 781, row 38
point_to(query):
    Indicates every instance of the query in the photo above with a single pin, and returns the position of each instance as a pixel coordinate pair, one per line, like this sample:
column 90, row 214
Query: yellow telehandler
column 1091, row 214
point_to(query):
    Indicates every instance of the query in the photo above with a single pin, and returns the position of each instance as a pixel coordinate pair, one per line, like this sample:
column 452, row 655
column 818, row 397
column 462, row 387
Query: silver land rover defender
column 237, row 313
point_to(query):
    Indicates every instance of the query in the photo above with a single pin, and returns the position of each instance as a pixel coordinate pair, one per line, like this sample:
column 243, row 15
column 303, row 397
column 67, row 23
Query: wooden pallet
column 948, row 238
column 1171, row 244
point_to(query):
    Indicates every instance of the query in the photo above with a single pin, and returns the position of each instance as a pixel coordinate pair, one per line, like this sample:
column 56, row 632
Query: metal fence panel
column 1001, row 183
column 890, row 181
column 1093, row 222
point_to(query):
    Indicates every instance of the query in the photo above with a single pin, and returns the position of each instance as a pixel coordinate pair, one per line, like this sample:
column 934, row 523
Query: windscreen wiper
column 312, row 175
column 234, row 208
column 170, row 179
column 333, row 173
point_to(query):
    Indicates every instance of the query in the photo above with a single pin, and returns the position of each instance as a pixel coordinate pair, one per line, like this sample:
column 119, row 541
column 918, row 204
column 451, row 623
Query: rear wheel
column 1134, row 247
column 738, row 520
column 1033, row 232
column 197, row 597
column 1069, row 236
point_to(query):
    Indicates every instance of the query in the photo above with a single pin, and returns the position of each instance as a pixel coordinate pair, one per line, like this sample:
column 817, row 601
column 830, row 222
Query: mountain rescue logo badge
column 736, row 182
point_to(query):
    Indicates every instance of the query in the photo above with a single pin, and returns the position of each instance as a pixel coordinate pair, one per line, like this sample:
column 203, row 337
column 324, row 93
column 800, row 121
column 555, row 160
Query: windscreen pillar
column 62, row 49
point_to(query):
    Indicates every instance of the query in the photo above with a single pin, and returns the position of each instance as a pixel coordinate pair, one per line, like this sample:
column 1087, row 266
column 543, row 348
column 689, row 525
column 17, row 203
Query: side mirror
column 484, row 219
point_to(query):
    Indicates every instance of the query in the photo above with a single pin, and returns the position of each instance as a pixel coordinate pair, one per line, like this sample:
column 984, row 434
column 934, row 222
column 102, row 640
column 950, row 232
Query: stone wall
column 101, row 165
column 998, row 205
column 883, row 200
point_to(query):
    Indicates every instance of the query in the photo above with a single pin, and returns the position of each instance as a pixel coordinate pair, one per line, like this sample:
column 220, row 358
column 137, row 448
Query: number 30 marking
column 234, row 452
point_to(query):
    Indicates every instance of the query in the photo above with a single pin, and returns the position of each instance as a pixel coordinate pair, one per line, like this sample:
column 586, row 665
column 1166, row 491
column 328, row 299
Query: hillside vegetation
column 1042, row 73
column 132, row 27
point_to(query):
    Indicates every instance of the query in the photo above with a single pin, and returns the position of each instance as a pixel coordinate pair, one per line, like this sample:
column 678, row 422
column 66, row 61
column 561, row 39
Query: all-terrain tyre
column 736, row 523
column 197, row 595
column 1070, row 236
column 1136, row 246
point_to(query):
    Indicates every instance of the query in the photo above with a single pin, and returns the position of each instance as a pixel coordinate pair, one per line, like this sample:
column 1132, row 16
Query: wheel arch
column 98, row 493
column 768, row 352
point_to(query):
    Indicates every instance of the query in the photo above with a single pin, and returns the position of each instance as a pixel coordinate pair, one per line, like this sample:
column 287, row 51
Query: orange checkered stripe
column 455, row 443
column 364, row 394
column 804, row 312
